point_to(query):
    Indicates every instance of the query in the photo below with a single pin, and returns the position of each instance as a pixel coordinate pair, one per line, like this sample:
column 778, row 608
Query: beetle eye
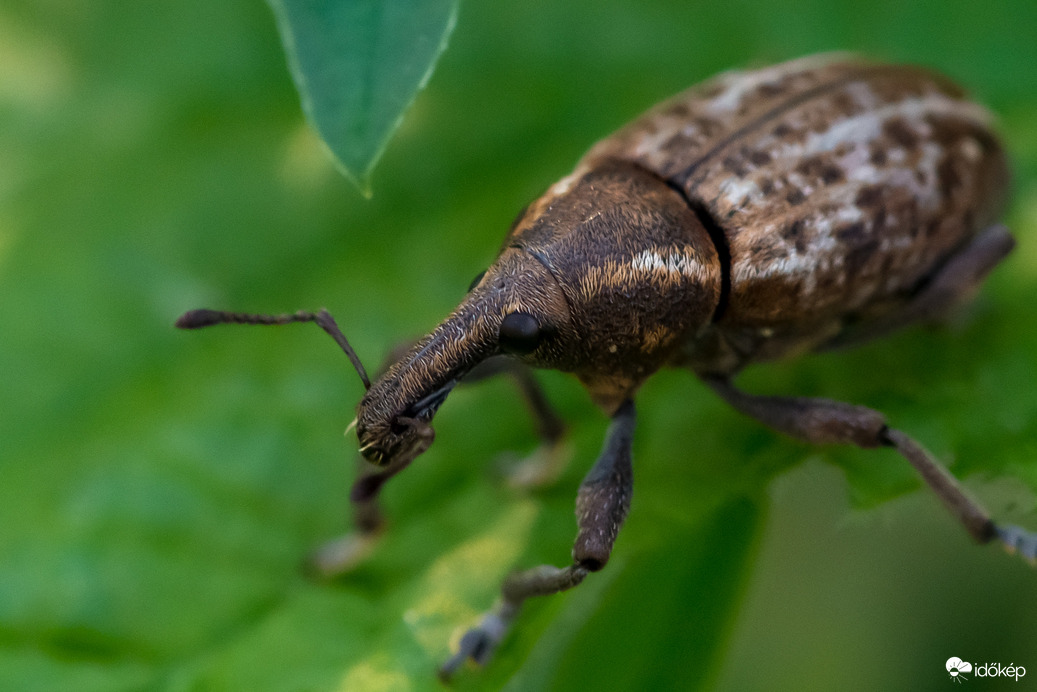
column 519, row 333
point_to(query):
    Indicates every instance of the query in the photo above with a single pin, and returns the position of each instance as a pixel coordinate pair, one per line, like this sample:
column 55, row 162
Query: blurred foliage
column 159, row 489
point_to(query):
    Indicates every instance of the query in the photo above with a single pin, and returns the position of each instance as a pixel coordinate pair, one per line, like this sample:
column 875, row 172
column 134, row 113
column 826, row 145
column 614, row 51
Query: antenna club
column 196, row 319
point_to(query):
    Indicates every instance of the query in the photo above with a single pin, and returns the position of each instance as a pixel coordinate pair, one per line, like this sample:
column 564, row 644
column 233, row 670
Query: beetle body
column 762, row 214
column 757, row 215
column 839, row 188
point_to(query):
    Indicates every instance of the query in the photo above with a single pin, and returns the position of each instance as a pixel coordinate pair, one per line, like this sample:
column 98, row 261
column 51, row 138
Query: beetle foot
column 341, row 555
column 540, row 469
column 479, row 643
column 1017, row 540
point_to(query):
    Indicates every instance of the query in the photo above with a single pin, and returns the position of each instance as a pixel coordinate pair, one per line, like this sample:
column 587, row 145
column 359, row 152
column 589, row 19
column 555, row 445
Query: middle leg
column 823, row 421
column 549, row 459
column 601, row 506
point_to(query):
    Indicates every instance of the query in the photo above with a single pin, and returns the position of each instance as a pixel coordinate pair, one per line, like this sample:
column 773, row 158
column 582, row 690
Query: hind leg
column 823, row 421
column 959, row 279
column 342, row 554
column 953, row 284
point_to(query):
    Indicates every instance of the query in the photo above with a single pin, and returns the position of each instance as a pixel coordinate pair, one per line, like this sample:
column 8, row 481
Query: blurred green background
column 159, row 489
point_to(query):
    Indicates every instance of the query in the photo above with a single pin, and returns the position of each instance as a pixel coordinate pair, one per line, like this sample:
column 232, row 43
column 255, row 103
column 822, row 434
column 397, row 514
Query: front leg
column 548, row 461
column 601, row 506
column 823, row 421
column 342, row 554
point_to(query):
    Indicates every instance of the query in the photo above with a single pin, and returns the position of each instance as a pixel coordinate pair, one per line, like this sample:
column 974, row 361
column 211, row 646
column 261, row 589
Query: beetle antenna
column 196, row 319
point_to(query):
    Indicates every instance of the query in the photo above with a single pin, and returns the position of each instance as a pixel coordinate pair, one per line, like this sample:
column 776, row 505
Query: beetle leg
column 959, row 278
column 547, row 462
column 953, row 284
column 342, row 554
column 823, row 421
column 601, row 506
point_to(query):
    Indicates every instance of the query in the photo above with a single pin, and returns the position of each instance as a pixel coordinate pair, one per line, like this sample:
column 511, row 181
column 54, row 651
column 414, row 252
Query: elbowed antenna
column 196, row 319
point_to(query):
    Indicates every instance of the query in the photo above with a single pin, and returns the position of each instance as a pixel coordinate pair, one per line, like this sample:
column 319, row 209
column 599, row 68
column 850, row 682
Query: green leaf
column 358, row 66
column 159, row 489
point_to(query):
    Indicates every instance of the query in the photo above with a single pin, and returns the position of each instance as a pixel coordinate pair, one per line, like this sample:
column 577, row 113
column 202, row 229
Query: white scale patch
column 805, row 265
column 565, row 184
column 674, row 264
column 738, row 191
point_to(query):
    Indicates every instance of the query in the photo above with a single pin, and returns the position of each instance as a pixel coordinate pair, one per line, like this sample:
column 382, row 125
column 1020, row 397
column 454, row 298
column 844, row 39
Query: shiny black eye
column 519, row 333
column 476, row 280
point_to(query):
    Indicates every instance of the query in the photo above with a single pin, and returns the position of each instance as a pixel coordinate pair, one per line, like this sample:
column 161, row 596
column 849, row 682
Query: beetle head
column 639, row 271
column 516, row 307
column 601, row 276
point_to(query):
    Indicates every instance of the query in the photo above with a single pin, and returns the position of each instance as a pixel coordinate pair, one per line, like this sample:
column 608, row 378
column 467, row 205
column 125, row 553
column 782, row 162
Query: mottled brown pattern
column 755, row 216
column 715, row 111
column 858, row 178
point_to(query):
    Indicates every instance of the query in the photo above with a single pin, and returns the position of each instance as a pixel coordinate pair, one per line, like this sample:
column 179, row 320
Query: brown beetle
column 804, row 206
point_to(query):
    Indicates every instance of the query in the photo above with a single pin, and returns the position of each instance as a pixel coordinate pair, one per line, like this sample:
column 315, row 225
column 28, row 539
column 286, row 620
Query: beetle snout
column 377, row 443
column 393, row 440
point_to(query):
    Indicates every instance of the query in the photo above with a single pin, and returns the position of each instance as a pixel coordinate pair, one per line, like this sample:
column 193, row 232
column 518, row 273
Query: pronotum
column 810, row 205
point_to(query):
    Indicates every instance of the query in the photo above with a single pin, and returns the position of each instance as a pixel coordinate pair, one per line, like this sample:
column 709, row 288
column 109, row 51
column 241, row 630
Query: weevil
column 810, row 205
